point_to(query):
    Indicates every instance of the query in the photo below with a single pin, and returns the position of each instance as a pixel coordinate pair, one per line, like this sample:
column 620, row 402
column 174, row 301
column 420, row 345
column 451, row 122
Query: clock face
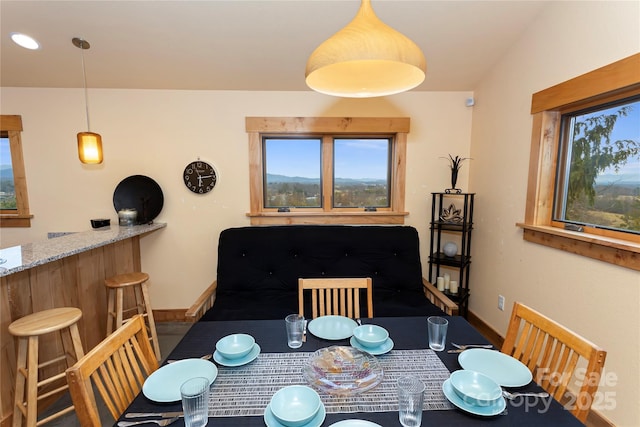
column 200, row 177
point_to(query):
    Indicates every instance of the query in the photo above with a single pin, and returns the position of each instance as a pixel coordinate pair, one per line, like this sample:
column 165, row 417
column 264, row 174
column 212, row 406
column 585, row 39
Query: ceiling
column 240, row 45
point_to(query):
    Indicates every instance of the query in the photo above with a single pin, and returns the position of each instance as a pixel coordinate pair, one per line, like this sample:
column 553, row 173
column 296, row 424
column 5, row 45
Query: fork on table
column 304, row 331
column 515, row 395
column 162, row 422
column 466, row 346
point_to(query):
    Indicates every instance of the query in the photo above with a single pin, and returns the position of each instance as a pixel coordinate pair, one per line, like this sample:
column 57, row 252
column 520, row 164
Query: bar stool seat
column 27, row 330
column 115, row 303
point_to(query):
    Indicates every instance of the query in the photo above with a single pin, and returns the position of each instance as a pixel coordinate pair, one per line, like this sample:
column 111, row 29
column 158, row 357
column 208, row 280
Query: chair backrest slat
column 117, row 366
column 552, row 353
column 336, row 296
column 541, row 339
column 314, row 302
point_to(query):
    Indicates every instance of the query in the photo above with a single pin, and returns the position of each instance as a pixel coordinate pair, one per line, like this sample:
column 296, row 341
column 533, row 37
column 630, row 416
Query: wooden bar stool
column 27, row 330
column 115, row 303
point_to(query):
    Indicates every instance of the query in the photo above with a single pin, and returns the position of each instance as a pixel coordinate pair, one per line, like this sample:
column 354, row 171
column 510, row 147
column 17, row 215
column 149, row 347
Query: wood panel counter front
column 66, row 271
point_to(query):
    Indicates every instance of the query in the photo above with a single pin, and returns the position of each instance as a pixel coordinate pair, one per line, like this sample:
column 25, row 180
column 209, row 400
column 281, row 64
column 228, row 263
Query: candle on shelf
column 127, row 216
column 440, row 283
column 453, row 286
column 447, row 279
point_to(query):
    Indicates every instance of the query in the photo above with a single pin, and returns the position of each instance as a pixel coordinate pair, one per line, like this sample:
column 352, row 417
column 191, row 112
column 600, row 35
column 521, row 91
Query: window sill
column 284, row 218
column 614, row 251
column 9, row 220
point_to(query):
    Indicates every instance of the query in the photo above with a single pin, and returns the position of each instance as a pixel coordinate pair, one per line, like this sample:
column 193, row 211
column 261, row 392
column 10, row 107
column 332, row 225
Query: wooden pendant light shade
column 367, row 58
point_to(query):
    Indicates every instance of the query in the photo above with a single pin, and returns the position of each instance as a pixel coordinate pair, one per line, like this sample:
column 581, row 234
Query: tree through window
column 599, row 175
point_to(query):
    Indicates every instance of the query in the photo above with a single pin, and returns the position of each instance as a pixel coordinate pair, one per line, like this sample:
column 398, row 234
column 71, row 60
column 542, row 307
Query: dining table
column 280, row 365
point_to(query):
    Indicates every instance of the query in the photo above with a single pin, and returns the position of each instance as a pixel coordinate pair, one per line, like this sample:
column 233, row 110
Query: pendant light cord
column 86, row 92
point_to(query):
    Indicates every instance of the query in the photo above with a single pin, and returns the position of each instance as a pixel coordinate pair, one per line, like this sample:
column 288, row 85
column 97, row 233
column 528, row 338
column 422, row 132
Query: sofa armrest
column 202, row 304
column 439, row 299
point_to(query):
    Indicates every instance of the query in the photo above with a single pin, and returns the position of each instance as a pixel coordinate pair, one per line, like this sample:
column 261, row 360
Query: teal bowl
column 370, row 335
column 475, row 388
column 235, row 346
column 295, row 405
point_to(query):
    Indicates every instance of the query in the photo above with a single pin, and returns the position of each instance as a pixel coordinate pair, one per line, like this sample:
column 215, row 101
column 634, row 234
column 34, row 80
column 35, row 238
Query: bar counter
column 18, row 258
column 65, row 271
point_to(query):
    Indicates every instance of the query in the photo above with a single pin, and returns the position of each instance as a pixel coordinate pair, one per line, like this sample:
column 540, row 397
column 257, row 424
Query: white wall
column 596, row 299
column 157, row 133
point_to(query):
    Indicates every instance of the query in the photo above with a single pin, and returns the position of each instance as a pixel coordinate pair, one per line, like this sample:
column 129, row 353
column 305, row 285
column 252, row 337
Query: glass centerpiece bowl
column 342, row 370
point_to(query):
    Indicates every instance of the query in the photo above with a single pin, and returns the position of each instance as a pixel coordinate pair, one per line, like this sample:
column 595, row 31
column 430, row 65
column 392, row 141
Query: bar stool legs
column 27, row 330
column 115, row 304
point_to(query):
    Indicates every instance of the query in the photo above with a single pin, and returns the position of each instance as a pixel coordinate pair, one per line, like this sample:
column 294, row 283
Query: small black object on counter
column 101, row 222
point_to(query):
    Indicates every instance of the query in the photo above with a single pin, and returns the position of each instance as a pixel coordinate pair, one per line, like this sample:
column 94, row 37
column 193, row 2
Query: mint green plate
column 332, row 327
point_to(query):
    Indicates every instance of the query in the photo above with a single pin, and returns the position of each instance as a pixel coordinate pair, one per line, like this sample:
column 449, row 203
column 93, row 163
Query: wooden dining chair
column 335, row 296
column 117, row 367
column 555, row 356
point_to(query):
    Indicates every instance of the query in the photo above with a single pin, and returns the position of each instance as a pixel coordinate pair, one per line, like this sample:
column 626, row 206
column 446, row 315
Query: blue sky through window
column 5, row 152
column 354, row 158
column 361, row 158
column 293, row 157
column 627, row 127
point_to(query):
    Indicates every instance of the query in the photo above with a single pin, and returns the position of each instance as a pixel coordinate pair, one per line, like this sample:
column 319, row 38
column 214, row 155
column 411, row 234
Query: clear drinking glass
column 410, row 401
column 437, row 332
column 295, row 328
column 195, row 401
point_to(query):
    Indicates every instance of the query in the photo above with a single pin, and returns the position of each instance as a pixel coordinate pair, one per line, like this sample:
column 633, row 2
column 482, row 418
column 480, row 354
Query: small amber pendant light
column 89, row 143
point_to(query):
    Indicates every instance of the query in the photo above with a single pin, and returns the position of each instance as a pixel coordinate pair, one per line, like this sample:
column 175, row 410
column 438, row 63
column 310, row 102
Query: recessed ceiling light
column 25, row 41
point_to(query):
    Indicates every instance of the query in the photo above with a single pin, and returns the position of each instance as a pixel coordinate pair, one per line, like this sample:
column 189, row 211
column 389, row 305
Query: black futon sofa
column 259, row 268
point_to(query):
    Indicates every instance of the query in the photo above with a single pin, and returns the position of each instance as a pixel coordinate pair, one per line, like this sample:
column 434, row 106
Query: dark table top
column 407, row 333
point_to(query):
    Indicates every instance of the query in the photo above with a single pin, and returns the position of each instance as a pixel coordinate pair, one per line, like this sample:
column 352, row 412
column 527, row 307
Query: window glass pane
column 292, row 172
column 599, row 178
column 7, row 191
column 361, row 172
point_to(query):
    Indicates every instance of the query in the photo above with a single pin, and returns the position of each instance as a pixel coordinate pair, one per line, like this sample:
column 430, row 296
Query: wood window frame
column 397, row 128
column 617, row 80
column 20, row 217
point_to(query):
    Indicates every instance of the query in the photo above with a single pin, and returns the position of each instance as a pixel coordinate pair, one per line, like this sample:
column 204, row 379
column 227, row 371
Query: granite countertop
column 23, row 257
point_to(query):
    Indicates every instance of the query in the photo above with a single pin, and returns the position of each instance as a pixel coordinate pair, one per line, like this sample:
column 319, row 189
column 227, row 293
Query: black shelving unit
column 452, row 213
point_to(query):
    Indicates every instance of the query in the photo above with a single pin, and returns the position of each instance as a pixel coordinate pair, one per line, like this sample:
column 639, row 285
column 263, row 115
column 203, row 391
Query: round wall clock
column 200, row 177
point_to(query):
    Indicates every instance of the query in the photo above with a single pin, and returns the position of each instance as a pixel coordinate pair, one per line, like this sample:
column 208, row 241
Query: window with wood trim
column 306, row 170
column 614, row 85
column 598, row 185
column 14, row 211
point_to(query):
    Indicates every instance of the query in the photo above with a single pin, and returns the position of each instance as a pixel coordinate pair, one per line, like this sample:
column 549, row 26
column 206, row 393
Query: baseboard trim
column 594, row 419
column 485, row 329
column 170, row 315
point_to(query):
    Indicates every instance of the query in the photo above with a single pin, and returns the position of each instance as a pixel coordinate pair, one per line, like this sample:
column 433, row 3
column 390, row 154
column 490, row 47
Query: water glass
column 437, row 332
column 295, row 328
column 195, row 401
column 410, row 401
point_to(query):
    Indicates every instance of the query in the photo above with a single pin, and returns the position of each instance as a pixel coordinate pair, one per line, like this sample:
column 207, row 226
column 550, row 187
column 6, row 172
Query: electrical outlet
column 500, row 303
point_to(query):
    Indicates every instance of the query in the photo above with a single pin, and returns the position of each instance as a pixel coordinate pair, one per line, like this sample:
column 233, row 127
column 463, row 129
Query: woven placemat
column 247, row 390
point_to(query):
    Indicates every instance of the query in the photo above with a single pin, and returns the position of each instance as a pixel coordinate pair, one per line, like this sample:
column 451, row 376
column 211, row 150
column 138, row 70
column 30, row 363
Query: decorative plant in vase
column 455, row 163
